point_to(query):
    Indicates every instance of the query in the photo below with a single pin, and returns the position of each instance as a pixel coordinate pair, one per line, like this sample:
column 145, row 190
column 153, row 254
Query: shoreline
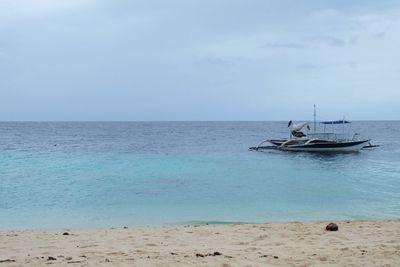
column 196, row 223
column 359, row 242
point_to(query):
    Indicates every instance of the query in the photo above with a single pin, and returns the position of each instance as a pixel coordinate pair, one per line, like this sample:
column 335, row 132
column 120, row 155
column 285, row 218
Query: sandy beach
column 357, row 243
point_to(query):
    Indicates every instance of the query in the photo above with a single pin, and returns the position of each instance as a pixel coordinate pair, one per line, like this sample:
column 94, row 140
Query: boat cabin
column 329, row 132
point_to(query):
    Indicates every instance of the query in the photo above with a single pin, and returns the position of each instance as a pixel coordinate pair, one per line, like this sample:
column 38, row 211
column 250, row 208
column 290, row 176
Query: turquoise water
column 100, row 174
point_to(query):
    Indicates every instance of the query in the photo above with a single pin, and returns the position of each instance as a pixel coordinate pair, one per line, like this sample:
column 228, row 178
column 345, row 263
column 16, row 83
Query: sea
column 111, row 174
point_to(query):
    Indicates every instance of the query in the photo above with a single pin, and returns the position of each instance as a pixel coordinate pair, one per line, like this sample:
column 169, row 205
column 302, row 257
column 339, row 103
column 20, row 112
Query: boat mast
column 315, row 119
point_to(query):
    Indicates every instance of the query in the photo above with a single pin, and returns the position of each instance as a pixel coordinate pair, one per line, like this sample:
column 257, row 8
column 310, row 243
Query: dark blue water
column 98, row 174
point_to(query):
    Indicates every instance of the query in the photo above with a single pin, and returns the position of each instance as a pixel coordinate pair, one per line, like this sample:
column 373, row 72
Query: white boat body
column 343, row 147
column 314, row 145
column 317, row 141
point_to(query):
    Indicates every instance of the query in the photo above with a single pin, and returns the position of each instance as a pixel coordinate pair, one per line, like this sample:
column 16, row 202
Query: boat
column 326, row 141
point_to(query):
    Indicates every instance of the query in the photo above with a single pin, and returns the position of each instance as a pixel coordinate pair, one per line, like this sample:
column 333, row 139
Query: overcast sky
column 199, row 60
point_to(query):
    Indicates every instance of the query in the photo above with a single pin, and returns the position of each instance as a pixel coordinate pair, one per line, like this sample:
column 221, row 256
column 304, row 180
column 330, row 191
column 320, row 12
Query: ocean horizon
column 103, row 174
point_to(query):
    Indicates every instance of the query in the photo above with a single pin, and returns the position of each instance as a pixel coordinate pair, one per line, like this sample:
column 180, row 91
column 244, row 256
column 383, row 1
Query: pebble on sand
column 332, row 227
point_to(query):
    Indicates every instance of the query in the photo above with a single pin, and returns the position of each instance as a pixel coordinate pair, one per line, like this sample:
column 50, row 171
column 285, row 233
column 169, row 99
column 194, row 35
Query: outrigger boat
column 318, row 141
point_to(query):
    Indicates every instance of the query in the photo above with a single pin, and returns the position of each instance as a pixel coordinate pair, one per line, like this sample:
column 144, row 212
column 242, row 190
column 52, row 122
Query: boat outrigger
column 318, row 141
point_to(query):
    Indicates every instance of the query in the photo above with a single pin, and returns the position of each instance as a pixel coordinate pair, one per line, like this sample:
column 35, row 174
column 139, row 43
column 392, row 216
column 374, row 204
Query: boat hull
column 350, row 146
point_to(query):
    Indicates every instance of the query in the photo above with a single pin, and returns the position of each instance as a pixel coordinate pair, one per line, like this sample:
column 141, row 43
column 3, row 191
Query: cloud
column 20, row 10
column 288, row 45
column 213, row 60
column 333, row 41
column 378, row 35
column 325, row 14
column 307, row 66
column 145, row 57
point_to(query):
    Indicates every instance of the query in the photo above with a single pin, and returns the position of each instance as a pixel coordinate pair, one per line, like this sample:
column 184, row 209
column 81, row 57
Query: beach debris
column 107, row 260
column 332, row 227
column 11, row 235
column 50, row 258
column 276, row 257
column 7, row 260
column 125, row 227
column 173, row 253
column 65, row 233
column 216, row 253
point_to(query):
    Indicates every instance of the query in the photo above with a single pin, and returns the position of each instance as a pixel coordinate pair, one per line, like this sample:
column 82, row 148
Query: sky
column 84, row 60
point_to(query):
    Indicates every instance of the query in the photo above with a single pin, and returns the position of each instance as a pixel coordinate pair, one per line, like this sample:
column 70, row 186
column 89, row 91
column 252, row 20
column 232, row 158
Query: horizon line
column 281, row 120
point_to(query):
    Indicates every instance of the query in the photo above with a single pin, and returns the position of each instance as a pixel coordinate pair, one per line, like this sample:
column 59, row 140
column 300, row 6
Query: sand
column 357, row 243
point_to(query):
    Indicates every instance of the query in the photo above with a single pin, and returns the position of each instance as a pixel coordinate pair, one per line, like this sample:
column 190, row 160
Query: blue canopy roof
column 335, row 122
